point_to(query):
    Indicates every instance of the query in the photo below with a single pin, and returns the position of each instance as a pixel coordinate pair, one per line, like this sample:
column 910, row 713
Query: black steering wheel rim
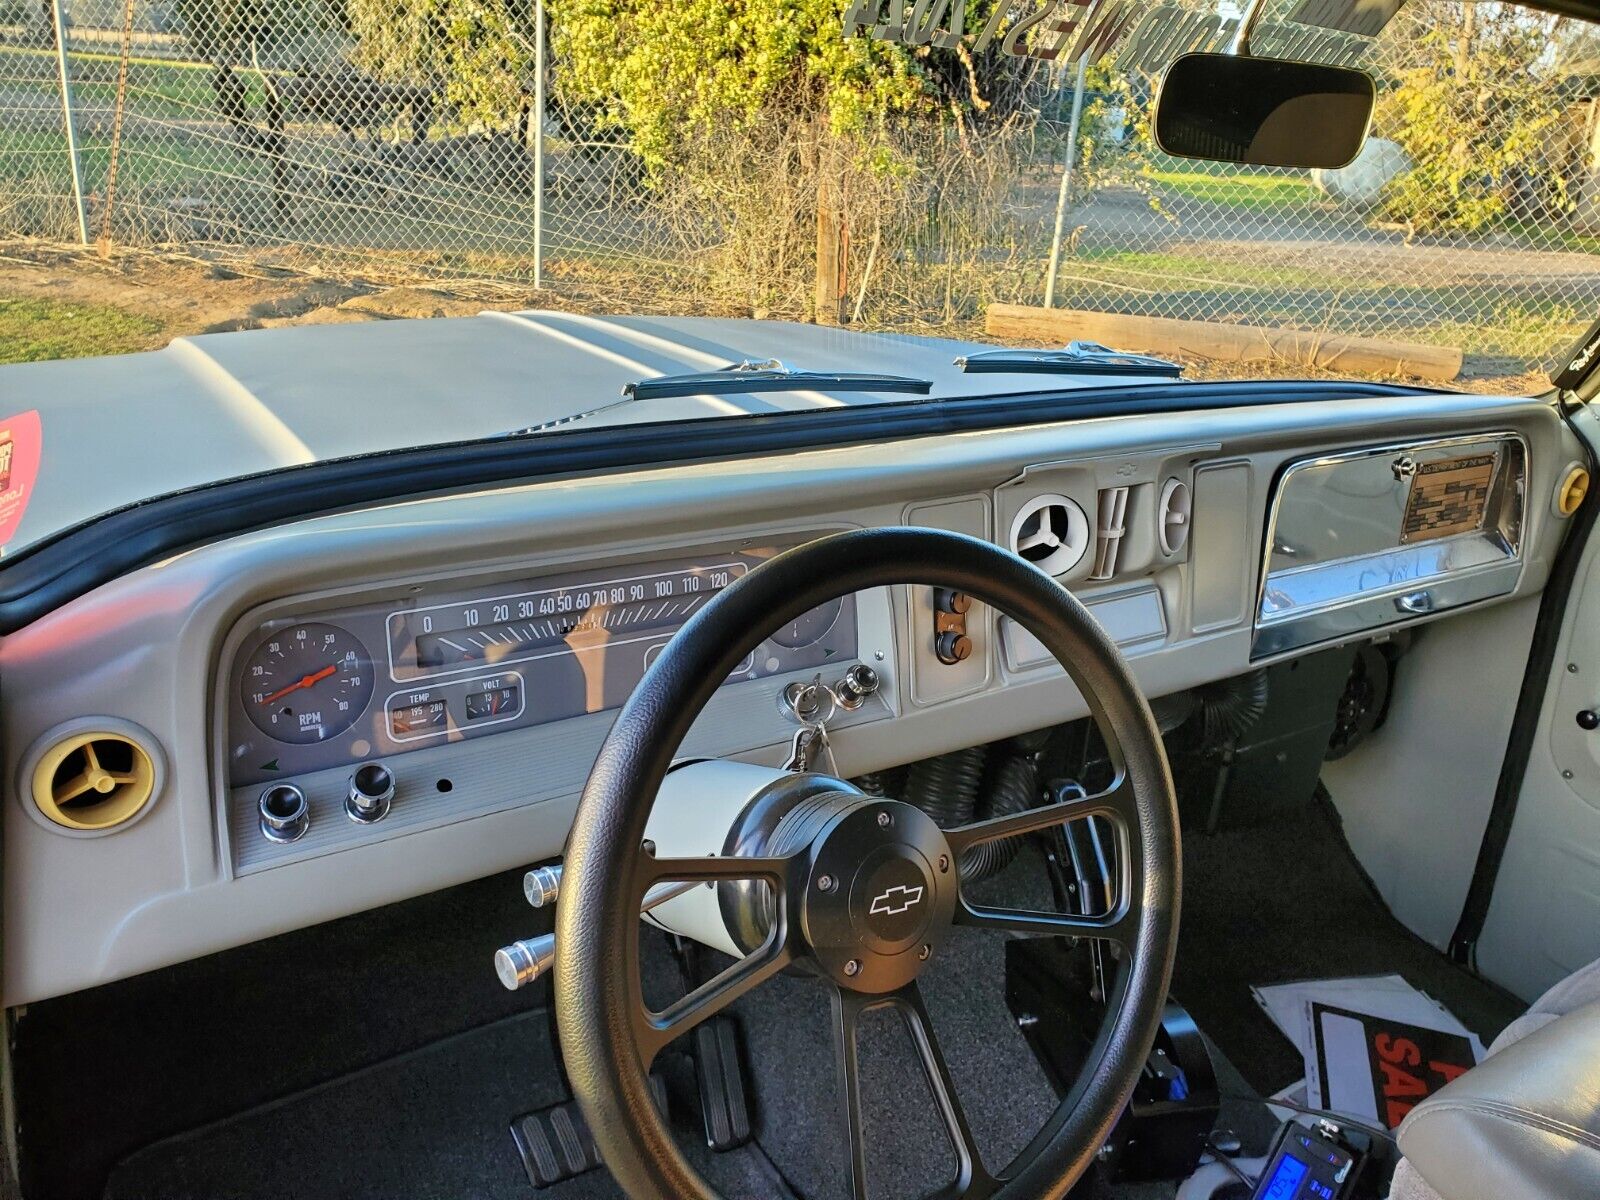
column 597, row 993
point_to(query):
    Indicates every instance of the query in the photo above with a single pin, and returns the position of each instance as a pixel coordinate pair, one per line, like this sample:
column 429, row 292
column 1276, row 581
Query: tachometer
column 307, row 683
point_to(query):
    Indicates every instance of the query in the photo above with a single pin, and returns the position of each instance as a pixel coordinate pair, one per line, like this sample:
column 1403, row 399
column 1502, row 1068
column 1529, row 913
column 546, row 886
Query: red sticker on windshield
column 20, row 440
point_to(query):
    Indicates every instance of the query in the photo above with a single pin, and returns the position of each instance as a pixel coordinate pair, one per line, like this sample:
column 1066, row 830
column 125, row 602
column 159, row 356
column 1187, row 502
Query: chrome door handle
column 1415, row 603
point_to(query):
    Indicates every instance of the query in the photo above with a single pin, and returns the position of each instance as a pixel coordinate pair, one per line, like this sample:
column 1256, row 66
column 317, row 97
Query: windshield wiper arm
column 771, row 375
column 768, row 375
column 1076, row 358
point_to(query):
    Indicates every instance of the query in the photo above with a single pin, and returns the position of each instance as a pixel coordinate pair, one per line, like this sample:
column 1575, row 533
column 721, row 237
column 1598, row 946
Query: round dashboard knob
column 371, row 790
column 1588, row 719
column 285, row 816
column 953, row 648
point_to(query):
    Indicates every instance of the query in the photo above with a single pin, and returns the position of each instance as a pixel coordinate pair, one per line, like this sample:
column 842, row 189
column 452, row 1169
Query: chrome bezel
column 1347, row 609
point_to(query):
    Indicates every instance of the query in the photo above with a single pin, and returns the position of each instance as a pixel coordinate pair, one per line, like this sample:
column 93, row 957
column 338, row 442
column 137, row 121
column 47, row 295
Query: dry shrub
column 928, row 212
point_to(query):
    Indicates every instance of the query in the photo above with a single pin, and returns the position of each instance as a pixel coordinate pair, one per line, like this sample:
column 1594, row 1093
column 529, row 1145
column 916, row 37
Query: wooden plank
column 1229, row 343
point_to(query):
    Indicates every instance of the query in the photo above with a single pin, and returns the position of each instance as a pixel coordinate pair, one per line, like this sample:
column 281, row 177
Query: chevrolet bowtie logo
column 896, row 900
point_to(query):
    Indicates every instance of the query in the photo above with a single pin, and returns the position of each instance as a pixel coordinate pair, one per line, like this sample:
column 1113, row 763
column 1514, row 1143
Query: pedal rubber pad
column 555, row 1142
column 719, row 1071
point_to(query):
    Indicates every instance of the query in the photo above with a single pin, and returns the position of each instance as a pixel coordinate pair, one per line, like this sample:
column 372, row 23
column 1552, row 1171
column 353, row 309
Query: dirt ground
column 181, row 295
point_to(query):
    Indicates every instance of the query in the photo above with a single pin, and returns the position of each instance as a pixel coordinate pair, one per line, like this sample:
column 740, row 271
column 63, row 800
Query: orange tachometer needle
column 305, row 682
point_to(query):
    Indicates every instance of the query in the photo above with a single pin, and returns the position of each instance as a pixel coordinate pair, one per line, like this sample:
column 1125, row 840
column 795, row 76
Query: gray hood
column 123, row 429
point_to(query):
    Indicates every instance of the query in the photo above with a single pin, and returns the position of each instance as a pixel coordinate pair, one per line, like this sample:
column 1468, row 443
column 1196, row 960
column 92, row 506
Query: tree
column 665, row 71
column 1476, row 111
column 477, row 53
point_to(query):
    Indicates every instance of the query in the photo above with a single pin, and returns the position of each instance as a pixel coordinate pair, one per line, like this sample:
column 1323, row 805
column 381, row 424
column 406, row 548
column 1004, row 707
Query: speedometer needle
column 304, row 682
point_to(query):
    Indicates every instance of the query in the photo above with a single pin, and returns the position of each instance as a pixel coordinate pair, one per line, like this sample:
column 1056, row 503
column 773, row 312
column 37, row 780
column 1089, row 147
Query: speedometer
column 307, row 683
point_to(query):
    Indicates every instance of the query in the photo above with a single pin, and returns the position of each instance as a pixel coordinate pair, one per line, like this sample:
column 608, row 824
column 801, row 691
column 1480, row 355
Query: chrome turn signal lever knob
column 521, row 963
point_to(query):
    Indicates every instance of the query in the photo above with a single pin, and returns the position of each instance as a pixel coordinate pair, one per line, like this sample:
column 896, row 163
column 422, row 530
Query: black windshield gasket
column 74, row 561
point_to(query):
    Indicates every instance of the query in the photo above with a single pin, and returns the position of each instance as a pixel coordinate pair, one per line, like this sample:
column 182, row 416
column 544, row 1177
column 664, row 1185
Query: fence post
column 1066, row 183
column 59, row 20
column 538, row 145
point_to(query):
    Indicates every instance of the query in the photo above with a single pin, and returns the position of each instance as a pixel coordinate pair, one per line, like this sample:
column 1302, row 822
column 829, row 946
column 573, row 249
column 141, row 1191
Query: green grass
column 1236, row 191
column 40, row 330
column 1170, row 271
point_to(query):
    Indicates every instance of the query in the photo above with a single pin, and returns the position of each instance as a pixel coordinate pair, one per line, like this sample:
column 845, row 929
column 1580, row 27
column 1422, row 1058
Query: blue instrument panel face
column 450, row 663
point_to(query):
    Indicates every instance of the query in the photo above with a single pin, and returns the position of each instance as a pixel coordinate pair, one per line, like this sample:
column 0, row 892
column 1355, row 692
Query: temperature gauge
column 423, row 718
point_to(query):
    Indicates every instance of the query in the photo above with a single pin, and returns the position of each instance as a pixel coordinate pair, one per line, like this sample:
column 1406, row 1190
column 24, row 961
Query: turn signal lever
column 521, row 963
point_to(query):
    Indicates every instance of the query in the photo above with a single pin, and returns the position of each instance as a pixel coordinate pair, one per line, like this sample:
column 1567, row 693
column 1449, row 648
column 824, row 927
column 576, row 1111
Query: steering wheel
column 816, row 920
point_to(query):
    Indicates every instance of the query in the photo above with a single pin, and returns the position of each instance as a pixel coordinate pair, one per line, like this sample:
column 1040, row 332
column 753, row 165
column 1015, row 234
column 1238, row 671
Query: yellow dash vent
column 1572, row 491
column 93, row 781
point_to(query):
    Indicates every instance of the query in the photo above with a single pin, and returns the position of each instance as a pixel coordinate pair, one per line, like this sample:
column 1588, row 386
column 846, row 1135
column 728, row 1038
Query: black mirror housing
column 1263, row 112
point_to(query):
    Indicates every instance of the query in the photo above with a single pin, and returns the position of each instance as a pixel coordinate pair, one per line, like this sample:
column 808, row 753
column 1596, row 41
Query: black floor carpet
column 1287, row 901
column 402, row 1064
column 429, row 1125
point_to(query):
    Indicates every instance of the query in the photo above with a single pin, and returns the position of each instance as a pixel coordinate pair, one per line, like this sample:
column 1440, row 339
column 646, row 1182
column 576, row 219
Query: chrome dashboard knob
column 859, row 682
column 285, row 815
column 542, row 885
column 370, row 793
column 520, row 963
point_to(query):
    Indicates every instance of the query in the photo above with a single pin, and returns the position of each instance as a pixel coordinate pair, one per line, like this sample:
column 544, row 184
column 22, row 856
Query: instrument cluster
column 431, row 666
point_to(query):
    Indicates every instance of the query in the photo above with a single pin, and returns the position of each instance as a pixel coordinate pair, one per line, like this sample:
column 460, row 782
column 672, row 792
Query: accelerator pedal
column 555, row 1143
column 719, row 1071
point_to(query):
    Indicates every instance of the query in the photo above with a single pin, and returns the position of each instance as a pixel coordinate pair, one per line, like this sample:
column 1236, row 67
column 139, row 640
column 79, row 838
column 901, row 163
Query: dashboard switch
column 951, row 601
column 859, row 682
column 371, row 791
column 285, row 815
column 952, row 647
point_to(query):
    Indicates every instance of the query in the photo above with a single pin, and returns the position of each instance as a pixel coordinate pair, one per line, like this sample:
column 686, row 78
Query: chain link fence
column 269, row 131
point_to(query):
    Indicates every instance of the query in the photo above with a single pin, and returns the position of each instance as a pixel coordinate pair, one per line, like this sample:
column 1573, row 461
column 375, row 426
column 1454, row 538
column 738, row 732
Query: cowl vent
column 1051, row 532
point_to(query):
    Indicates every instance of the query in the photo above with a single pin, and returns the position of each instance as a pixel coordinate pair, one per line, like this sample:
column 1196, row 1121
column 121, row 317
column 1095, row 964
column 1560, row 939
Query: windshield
column 638, row 190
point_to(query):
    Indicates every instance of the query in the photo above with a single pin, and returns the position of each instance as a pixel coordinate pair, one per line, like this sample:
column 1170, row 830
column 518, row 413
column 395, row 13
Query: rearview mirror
column 1264, row 112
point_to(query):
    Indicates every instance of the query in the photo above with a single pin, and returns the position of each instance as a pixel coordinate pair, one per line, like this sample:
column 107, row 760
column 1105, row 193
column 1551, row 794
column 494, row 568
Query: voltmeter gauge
column 307, row 683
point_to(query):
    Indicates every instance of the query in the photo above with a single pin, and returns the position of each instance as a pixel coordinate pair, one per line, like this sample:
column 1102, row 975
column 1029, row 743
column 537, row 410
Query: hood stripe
column 259, row 421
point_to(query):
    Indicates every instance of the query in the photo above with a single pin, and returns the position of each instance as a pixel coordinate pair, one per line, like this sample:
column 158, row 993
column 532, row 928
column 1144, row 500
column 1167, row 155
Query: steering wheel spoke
column 1115, row 803
column 847, row 1010
column 657, row 1029
column 1114, row 809
column 972, row 1181
column 713, row 869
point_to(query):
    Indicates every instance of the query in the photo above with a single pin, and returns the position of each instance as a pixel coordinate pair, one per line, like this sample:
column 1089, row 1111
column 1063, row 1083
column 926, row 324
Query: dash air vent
column 1051, row 532
column 93, row 781
column 1172, row 522
column 1111, row 524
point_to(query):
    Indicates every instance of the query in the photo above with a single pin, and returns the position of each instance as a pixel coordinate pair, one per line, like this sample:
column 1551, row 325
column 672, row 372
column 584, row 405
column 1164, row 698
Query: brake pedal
column 719, row 1071
column 555, row 1143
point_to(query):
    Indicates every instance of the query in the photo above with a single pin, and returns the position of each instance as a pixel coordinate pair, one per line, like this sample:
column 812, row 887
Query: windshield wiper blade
column 771, row 375
column 1076, row 358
